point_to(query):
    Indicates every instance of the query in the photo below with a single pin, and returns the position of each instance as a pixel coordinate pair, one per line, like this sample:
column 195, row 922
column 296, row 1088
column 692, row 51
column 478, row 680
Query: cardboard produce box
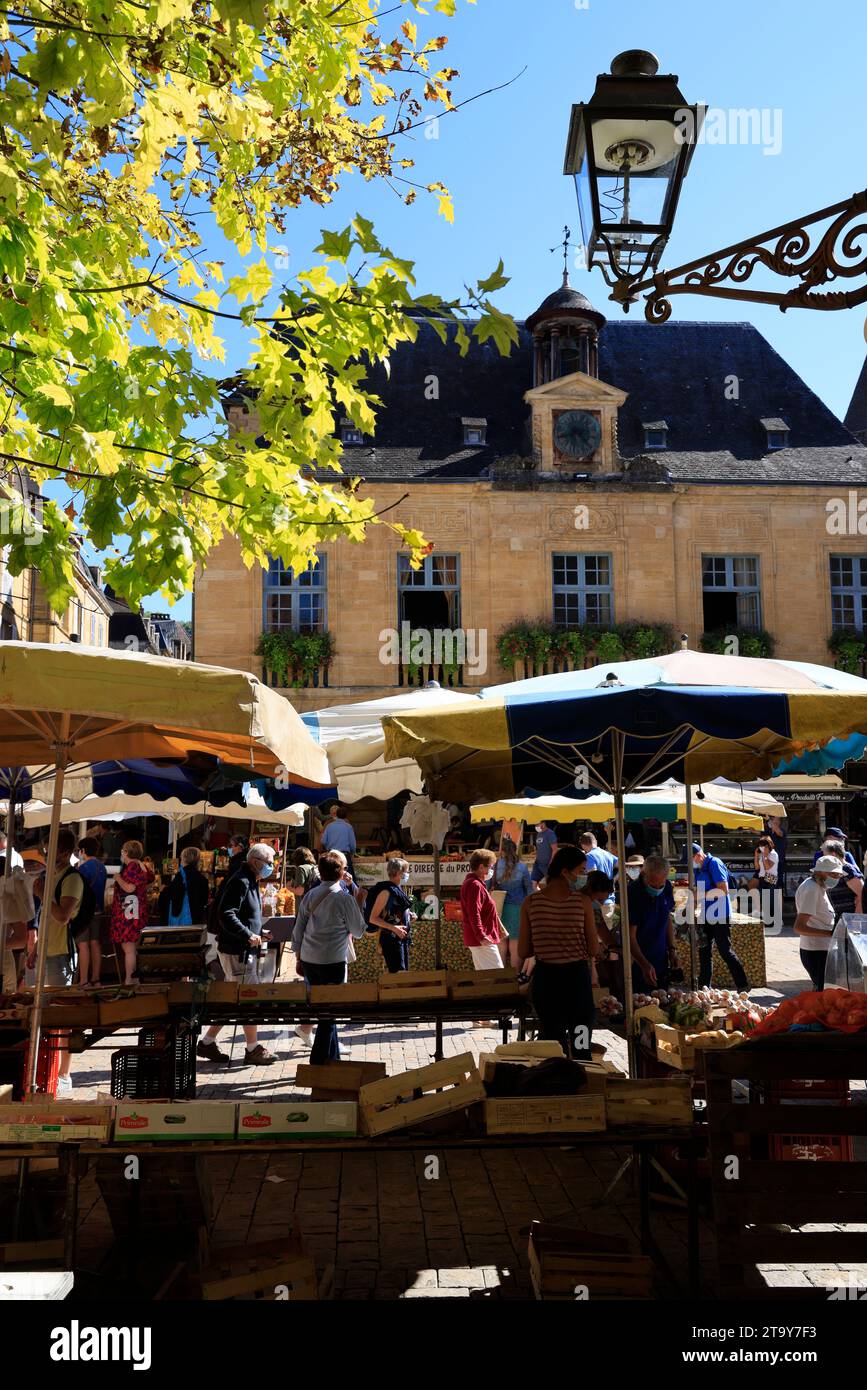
column 137, row 1122
column 222, row 992
column 287, row 992
column 53, row 1122
column 545, row 1114
column 306, row 1119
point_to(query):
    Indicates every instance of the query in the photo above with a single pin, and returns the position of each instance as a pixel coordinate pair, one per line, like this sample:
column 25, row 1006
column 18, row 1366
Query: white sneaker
column 306, row 1039
column 64, row 1086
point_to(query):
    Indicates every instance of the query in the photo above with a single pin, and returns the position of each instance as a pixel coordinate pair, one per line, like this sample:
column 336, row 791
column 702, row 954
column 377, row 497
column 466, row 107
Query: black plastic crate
column 154, row 1070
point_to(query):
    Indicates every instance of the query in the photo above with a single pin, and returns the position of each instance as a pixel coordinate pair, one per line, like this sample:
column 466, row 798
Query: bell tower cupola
column 565, row 330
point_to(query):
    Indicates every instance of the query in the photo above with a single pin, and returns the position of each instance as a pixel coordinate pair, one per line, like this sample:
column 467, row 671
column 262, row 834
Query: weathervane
column 564, row 244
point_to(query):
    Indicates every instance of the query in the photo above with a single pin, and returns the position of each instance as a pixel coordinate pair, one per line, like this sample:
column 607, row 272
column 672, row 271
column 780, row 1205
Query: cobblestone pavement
column 390, row 1228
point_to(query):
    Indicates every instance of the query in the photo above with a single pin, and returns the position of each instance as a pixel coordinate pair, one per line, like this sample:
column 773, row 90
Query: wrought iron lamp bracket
column 840, row 253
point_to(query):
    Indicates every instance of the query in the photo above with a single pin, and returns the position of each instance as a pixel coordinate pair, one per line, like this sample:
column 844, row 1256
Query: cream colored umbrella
column 66, row 705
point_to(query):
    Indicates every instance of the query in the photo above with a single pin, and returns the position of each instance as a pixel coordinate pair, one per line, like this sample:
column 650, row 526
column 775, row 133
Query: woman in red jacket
column 483, row 931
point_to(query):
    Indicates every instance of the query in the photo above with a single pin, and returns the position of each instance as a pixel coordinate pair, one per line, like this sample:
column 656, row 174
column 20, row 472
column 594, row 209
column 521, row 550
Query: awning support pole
column 62, row 752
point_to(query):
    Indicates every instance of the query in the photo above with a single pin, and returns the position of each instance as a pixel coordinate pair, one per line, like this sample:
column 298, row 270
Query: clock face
column 577, row 434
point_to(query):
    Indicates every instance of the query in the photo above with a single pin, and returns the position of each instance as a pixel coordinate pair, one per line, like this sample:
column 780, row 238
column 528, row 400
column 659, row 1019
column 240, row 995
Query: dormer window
column 475, row 431
column 777, row 432
column 349, row 433
column 655, row 434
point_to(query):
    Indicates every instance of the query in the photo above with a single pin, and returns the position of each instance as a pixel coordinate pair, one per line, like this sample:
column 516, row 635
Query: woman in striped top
column 558, row 928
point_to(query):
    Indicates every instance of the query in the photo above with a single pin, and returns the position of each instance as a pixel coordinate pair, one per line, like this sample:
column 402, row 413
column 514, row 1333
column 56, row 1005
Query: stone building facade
column 678, row 474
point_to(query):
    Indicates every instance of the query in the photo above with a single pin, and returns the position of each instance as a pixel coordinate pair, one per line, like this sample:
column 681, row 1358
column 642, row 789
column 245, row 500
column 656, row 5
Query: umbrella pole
column 61, row 748
column 438, row 944
column 623, row 881
column 285, row 858
column 174, row 838
column 7, row 960
column 690, row 899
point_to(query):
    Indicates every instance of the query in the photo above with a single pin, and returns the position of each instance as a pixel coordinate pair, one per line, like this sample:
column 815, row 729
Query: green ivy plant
column 759, row 643
column 537, row 641
column 301, row 653
column 850, row 651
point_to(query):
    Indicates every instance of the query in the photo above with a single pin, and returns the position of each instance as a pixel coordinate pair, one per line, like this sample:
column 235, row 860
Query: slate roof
column 683, row 373
column 856, row 415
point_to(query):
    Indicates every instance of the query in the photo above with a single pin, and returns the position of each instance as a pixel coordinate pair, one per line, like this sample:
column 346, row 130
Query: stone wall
column 655, row 534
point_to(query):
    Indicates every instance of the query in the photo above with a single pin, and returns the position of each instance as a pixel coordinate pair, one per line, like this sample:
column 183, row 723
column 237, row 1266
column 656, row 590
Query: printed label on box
column 146, row 1120
column 313, row 1119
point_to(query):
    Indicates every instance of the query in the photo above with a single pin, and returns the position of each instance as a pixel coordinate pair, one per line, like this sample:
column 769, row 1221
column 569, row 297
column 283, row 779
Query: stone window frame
column 581, row 589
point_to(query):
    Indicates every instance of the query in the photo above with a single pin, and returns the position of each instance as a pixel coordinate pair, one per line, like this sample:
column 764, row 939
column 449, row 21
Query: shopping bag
column 847, row 954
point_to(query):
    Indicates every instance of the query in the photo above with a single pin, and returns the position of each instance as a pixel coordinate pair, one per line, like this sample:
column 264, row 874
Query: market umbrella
column 353, row 739
column 658, row 804
column 121, row 806
column 71, row 704
column 741, row 797
column 690, row 715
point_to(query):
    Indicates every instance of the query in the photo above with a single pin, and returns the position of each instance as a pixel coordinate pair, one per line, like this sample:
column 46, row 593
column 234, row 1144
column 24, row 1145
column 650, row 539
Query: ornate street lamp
column 629, row 150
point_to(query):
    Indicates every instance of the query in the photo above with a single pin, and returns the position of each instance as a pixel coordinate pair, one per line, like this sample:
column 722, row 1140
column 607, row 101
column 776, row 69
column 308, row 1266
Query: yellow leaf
column 55, row 393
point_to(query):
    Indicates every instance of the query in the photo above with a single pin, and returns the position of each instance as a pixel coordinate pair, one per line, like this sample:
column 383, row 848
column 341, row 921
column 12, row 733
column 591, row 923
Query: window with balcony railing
column 429, row 619
column 295, row 603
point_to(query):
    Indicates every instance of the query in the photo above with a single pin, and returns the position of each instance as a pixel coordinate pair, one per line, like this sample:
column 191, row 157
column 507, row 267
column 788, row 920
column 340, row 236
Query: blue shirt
column 712, row 874
column 649, row 915
column 853, row 863
column 338, row 834
column 545, row 842
column 94, row 872
column 606, row 863
column 518, row 887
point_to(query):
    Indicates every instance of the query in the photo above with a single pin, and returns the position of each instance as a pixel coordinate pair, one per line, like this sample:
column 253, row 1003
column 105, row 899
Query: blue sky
column 502, row 156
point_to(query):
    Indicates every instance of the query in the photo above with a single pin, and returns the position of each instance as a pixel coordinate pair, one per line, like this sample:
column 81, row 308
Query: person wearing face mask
column 634, row 865
column 814, row 923
column 546, row 848
column 238, row 940
column 650, row 899
column 482, row 929
column 558, row 930
column 392, row 915
column 597, row 886
column 327, row 921
column 714, row 913
column 513, row 878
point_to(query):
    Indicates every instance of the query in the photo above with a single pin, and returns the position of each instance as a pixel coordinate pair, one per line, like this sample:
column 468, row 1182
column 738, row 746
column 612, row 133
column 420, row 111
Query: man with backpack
column 714, row 912
column 388, row 910
column 67, row 917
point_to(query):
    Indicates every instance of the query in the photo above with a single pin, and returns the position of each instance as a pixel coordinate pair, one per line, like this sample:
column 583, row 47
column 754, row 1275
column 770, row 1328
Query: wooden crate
column 664, row 1102
column 338, row 1080
column 411, row 985
column 77, row 1011
column 344, row 996
column 171, row 1195
column 545, row 1114
column 23, row 1255
column 400, row 1102
column 470, row 985
column 568, row 1264
column 757, row 1217
column 526, row 1054
column 271, row 1270
column 133, row 1009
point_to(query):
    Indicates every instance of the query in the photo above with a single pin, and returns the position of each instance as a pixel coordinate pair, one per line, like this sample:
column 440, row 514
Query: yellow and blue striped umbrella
column 688, row 715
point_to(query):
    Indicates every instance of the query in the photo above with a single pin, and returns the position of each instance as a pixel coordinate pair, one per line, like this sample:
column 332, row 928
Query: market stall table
column 640, row 1141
